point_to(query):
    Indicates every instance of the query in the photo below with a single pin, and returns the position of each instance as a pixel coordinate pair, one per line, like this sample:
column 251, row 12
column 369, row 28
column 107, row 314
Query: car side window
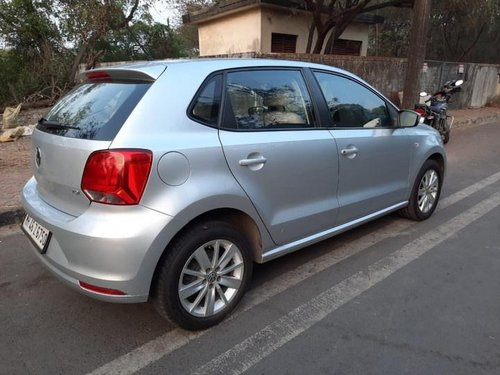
column 351, row 104
column 267, row 99
column 206, row 104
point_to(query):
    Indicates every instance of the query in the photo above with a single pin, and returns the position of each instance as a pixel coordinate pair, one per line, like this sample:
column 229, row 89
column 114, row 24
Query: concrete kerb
column 463, row 121
column 15, row 215
column 11, row 216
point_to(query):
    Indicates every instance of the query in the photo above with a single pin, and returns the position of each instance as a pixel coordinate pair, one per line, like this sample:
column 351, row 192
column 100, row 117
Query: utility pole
column 416, row 52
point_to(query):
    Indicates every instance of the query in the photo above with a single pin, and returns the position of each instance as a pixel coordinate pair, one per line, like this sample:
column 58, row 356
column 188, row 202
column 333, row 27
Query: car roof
column 155, row 68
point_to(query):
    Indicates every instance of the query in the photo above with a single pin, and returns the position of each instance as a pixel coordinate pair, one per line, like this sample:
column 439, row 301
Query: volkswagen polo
column 167, row 181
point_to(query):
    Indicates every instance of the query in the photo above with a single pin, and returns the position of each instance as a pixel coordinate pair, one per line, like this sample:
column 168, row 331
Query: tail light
column 100, row 289
column 116, row 177
column 420, row 111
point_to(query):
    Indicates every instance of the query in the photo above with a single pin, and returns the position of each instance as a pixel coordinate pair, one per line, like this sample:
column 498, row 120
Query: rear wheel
column 425, row 193
column 444, row 130
column 446, row 136
column 203, row 276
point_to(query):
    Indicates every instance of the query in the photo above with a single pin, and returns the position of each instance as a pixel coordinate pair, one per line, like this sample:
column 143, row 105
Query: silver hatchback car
column 168, row 180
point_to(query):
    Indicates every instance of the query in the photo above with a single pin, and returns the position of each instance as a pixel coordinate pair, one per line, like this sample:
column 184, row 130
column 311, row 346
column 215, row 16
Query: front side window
column 267, row 99
column 352, row 105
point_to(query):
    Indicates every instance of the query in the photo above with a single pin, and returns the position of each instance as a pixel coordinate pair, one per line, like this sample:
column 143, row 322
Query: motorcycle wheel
column 444, row 130
column 446, row 136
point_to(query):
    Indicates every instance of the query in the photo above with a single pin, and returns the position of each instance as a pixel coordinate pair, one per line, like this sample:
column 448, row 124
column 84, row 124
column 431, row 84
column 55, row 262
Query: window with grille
column 283, row 43
column 347, row 47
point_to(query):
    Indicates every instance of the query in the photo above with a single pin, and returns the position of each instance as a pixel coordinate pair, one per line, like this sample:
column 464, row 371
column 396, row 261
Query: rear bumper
column 113, row 247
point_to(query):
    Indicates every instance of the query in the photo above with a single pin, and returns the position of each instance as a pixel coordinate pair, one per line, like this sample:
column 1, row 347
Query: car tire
column 203, row 275
column 425, row 193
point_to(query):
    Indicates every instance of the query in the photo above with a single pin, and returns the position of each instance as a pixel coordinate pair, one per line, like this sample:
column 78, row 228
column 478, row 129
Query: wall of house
column 235, row 33
column 357, row 31
column 250, row 31
column 285, row 21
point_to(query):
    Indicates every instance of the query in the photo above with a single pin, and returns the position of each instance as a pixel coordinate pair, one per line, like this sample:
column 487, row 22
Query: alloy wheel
column 428, row 191
column 211, row 278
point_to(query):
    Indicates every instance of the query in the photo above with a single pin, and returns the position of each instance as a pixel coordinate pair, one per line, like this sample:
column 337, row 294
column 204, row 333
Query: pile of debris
column 10, row 129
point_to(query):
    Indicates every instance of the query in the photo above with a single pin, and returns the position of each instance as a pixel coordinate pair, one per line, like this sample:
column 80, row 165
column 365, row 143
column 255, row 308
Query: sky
column 161, row 12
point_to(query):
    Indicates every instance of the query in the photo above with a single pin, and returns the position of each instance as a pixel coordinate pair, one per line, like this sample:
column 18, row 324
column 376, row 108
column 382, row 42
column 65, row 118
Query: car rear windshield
column 94, row 110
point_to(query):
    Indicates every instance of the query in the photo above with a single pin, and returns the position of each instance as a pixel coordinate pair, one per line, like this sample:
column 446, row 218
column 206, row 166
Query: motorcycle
column 435, row 114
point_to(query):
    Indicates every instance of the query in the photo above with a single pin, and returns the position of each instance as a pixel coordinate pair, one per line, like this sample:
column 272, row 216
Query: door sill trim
column 299, row 244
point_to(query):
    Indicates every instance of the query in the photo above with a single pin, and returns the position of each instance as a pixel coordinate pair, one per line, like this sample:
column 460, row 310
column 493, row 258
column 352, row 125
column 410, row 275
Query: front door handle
column 252, row 161
column 349, row 151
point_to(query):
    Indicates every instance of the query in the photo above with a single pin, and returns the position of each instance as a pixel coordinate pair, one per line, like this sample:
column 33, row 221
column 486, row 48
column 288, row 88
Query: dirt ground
column 15, row 161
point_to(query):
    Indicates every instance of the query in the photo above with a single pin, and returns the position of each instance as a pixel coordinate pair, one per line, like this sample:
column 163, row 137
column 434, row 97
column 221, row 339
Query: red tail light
column 100, row 289
column 116, row 176
column 420, row 111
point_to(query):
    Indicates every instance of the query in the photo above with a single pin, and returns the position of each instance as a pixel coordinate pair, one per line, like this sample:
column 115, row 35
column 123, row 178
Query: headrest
column 276, row 99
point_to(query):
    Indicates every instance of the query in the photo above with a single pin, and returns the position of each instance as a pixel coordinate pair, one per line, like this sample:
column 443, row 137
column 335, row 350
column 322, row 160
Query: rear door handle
column 252, row 161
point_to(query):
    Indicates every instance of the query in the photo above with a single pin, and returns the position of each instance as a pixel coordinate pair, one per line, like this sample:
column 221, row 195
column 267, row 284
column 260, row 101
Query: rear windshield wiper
column 55, row 125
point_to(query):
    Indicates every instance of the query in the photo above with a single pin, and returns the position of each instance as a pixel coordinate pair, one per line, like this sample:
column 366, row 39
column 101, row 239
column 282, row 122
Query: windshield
column 94, row 110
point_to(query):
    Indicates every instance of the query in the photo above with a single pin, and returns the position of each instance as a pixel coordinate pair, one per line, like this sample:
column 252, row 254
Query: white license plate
column 39, row 235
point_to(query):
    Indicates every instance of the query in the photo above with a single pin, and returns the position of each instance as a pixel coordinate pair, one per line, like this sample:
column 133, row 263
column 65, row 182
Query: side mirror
column 408, row 119
column 423, row 93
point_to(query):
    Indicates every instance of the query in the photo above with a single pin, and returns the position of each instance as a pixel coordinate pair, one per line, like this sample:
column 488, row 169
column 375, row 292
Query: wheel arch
column 241, row 220
column 439, row 159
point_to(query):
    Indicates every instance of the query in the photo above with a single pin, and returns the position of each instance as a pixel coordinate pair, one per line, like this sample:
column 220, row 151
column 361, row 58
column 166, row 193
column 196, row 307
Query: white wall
column 235, row 33
column 277, row 20
column 249, row 30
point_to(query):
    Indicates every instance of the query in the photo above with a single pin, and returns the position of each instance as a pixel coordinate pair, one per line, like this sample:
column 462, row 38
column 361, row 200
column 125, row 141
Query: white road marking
column 464, row 193
column 258, row 346
column 165, row 344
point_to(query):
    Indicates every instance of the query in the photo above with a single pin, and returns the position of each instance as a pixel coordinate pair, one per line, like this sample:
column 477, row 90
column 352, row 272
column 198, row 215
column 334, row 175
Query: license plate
column 39, row 235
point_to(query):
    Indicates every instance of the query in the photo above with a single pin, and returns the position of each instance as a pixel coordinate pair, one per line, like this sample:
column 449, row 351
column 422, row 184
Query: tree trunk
column 416, row 52
column 77, row 61
column 329, row 43
column 310, row 37
column 318, row 46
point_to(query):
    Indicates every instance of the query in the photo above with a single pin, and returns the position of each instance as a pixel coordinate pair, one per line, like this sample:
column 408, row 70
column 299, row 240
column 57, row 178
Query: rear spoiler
column 139, row 73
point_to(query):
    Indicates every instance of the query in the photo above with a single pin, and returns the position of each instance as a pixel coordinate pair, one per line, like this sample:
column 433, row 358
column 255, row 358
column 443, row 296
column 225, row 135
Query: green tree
column 48, row 40
column 36, row 58
column 460, row 26
column 460, row 30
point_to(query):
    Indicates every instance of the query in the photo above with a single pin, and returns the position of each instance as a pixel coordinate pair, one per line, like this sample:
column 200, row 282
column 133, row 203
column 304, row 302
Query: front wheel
column 425, row 193
column 203, row 276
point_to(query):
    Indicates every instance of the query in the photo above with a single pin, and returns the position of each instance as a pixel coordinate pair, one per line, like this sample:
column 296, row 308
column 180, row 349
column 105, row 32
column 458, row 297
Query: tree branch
column 391, row 3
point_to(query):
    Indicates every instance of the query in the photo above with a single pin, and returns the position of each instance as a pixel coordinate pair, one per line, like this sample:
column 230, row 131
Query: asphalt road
column 390, row 297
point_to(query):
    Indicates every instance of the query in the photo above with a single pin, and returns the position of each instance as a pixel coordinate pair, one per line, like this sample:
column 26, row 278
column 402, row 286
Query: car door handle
column 252, row 161
column 349, row 151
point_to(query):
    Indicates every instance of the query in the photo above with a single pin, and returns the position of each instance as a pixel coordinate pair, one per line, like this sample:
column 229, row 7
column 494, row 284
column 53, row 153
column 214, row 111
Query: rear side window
column 94, row 111
column 205, row 107
column 267, row 99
